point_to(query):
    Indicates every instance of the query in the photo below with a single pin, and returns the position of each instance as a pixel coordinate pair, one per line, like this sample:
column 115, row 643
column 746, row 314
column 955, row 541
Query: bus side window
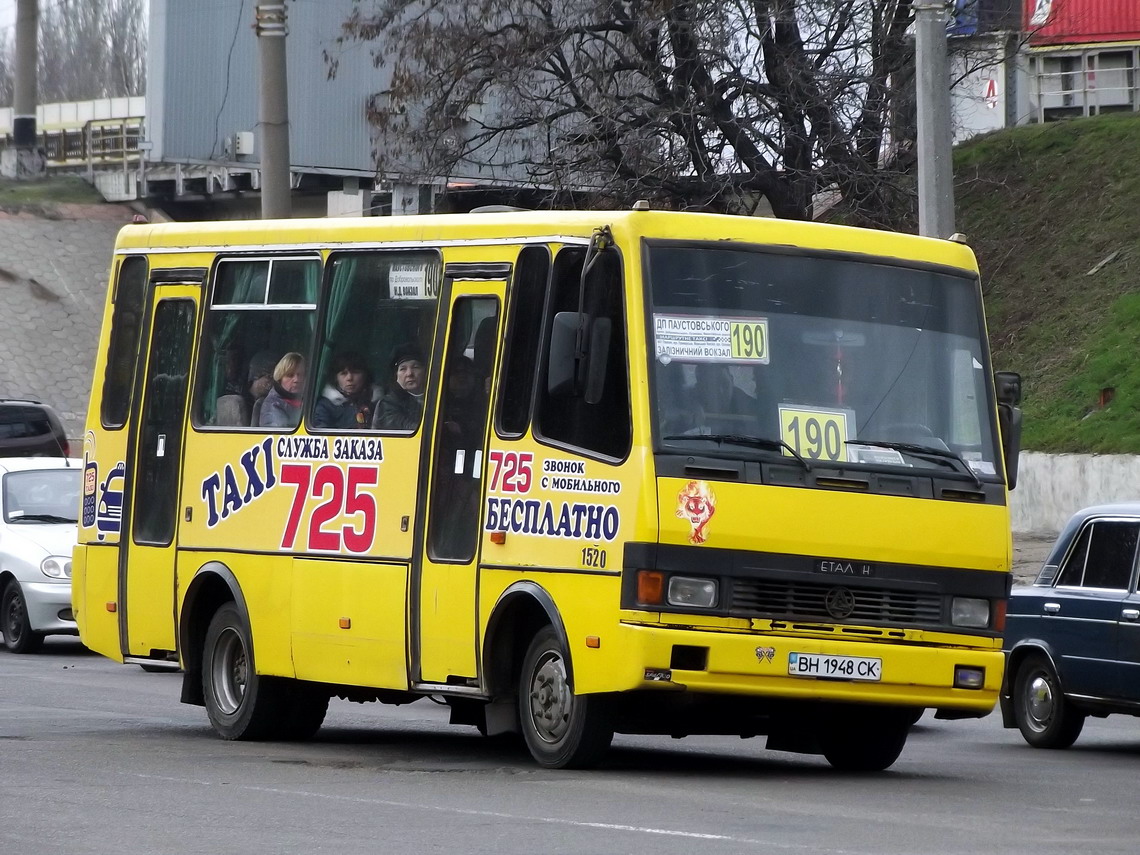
column 260, row 323
column 520, row 359
column 603, row 427
column 122, row 352
column 381, row 308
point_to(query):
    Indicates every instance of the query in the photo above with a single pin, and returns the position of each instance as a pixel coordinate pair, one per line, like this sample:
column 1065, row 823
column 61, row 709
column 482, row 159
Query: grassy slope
column 1042, row 206
column 47, row 190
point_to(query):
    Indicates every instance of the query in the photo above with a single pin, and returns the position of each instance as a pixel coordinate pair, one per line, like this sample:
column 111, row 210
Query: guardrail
column 97, row 144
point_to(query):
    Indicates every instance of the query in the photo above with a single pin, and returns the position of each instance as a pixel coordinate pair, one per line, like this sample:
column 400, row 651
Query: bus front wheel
column 563, row 730
column 240, row 704
column 867, row 743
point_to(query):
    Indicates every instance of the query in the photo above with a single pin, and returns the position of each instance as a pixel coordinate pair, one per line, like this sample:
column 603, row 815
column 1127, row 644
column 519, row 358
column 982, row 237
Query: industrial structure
column 194, row 146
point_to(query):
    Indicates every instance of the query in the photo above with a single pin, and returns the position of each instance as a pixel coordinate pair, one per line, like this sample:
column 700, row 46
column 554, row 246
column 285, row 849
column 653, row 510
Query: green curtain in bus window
column 243, row 283
column 340, row 298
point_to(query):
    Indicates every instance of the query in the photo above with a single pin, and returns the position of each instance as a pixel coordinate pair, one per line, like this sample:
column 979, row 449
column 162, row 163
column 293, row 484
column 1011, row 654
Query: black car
column 1072, row 638
column 30, row 429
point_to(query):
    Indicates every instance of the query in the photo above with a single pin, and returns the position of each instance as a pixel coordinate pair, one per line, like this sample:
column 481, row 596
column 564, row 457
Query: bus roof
column 499, row 226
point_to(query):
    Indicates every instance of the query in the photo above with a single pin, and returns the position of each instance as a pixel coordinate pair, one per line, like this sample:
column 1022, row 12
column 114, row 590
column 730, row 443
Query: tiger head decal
column 697, row 503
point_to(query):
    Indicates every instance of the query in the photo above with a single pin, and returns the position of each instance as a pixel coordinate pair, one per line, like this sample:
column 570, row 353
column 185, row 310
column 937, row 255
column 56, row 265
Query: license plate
column 835, row 667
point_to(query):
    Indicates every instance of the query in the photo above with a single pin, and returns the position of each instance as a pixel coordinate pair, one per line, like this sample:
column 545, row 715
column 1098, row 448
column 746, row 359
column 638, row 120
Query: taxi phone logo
column 697, row 503
column 109, row 511
column 90, row 485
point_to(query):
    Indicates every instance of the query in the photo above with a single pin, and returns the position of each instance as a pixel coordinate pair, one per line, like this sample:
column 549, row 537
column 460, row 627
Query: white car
column 39, row 503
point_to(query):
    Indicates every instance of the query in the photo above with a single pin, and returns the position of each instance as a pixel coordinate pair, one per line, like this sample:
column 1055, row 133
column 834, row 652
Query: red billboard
column 1054, row 22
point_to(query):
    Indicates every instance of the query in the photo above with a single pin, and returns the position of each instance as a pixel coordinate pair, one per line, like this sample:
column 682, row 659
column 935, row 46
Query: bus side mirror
column 1007, row 388
column 579, row 353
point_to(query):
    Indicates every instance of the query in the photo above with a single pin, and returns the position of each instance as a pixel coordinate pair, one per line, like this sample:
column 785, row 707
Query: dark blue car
column 1072, row 638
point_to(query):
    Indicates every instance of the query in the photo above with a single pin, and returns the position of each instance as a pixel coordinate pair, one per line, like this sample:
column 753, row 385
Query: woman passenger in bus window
column 282, row 406
column 346, row 401
column 400, row 409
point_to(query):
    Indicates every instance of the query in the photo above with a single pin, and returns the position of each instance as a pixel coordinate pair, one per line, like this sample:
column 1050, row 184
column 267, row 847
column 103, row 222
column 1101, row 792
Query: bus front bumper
column 958, row 679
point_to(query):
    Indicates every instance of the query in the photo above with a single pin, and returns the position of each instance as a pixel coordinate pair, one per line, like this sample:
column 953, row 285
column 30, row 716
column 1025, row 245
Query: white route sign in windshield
column 704, row 338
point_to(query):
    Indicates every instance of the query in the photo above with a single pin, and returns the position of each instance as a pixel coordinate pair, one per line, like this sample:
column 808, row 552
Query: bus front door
column 154, row 462
column 445, row 581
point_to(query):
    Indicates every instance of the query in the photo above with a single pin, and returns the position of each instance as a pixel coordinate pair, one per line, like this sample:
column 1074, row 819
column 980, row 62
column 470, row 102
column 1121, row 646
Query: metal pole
column 935, row 160
column 273, row 114
column 24, row 103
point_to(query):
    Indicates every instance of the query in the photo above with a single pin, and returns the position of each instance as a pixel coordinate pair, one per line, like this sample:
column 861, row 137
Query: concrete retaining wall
column 1050, row 487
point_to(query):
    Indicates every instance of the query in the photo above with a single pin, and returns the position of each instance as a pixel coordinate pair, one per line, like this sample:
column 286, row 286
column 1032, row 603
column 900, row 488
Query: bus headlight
column 970, row 611
column 56, row 567
column 687, row 591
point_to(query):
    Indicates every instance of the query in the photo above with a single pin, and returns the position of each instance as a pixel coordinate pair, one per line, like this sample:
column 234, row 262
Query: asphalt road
column 97, row 757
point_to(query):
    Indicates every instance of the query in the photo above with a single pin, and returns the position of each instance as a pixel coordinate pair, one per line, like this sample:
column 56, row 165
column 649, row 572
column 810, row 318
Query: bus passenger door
column 154, row 475
column 444, row 635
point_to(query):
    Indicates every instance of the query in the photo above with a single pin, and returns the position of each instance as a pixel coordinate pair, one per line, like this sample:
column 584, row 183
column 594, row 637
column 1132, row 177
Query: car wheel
column 1044, row 716
column 240, row 703
column 562, row 730
column 14, row 622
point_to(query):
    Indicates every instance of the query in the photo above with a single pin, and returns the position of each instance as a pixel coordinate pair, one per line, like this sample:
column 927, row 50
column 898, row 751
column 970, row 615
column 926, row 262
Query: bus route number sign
column 816, row 433
column 749, row 340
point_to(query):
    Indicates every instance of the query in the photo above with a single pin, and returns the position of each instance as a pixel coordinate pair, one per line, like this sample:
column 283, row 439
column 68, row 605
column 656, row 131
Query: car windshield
column 819, row 355
column 41, row 496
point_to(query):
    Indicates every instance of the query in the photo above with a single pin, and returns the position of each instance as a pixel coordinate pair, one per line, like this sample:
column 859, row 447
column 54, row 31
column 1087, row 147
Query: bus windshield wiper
column 46, row 518
column 742, row 439
column 927, row 452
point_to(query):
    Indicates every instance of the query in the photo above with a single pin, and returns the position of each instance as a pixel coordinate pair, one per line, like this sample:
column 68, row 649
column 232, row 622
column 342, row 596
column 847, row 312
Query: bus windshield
column 831, row 359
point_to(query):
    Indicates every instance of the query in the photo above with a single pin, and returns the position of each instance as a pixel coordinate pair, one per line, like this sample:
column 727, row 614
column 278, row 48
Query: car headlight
column 56, row 567
column 686, row 591
column 970, row 611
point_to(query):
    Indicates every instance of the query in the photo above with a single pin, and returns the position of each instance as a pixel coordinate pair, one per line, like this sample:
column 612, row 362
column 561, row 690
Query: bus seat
column 255, row 416
column 233, row 411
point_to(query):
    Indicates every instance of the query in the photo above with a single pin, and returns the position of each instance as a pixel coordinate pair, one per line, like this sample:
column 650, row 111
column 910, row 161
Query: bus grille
column 776, row 599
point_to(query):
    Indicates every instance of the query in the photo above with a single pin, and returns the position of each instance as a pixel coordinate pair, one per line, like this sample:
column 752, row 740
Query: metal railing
column 97, row 144
column 1087, row 83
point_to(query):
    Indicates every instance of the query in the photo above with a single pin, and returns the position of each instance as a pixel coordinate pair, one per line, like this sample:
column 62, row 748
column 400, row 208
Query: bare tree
column 7, row 92
column 91, row 49
column 707, row 104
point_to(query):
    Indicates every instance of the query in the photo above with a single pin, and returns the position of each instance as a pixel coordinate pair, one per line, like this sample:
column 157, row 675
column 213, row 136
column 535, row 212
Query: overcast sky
column 8, row 16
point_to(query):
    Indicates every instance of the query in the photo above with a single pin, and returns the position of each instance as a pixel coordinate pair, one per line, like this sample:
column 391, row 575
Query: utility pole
column 273, row 112
column 25, row 161
column 935, row 159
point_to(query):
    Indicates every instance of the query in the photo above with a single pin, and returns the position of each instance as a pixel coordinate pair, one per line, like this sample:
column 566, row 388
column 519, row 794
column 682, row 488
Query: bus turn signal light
column 650, row 587
column 498, row 537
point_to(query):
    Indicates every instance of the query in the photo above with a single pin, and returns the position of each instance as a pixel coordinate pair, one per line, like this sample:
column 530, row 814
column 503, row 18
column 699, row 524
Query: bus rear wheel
column 240, row 703
column 303, row 711
column 563, row 730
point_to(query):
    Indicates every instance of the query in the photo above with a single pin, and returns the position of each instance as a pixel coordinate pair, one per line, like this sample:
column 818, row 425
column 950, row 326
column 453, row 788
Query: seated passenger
column 401, row 407
column 260, row 378
column 282, row 406
column 346, row 401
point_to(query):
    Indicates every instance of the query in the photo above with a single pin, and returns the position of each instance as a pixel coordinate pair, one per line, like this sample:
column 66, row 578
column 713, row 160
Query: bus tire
column 1043, row 714
column 240, row 703
column 867, row 744
column 303, row 713
column 562, row 730
column 15, row 623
